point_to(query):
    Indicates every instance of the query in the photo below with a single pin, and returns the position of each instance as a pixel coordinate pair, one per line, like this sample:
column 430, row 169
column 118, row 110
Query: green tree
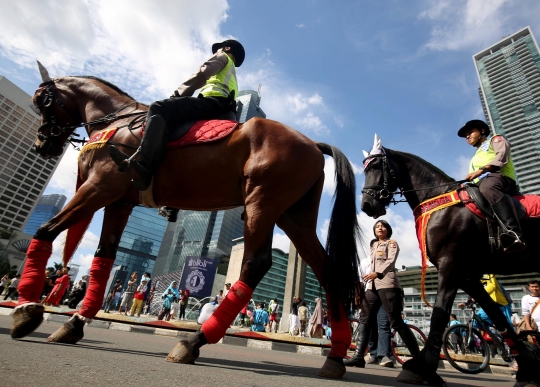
column 57, row 266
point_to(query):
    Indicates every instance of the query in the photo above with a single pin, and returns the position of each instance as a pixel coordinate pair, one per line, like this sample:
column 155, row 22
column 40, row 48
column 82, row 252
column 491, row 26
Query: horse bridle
column 49, row 119
column 387, row 189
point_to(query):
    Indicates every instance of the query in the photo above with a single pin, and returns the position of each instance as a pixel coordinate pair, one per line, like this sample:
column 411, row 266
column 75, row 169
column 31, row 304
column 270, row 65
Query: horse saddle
column 174, row 134
column 483, row 205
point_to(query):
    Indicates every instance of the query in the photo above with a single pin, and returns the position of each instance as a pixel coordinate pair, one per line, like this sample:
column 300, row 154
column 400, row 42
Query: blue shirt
column 260, row 317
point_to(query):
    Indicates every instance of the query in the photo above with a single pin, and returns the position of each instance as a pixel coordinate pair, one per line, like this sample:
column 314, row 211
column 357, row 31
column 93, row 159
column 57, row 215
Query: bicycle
column 397, row 346
column 473, row 344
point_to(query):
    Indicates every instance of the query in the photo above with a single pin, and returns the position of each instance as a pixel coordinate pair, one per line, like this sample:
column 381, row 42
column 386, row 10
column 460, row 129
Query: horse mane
column 106, row 83
column 426, row 169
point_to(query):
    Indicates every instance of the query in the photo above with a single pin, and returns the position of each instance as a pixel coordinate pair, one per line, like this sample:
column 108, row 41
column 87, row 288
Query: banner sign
column 198, row 276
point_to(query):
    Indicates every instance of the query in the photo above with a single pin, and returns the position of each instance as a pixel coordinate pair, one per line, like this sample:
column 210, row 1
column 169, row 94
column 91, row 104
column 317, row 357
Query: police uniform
column 216, row 79
column 384, row 290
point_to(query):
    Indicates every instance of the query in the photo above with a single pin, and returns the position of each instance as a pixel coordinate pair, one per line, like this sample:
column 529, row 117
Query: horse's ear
column 377, row 146
column 44, row 73
column 365, row 154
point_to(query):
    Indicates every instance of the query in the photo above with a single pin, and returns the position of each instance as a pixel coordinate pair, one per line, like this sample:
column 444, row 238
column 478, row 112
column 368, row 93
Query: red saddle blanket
column 205, row 131
column 531, row 203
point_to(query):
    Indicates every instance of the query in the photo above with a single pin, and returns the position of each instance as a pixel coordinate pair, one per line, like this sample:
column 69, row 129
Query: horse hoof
column 409, row 377
column 332, row 369
column 69, row 333
column 26, row 319
column 184, row 353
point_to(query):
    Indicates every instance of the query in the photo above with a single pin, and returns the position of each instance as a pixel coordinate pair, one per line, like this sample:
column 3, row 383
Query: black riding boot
column 357, row 360
column 153, row 148
column 171, row 214
column 408, row 339
column 511, row 235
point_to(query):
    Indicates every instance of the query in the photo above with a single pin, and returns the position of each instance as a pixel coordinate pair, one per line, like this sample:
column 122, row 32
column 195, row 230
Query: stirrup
column 122, row 160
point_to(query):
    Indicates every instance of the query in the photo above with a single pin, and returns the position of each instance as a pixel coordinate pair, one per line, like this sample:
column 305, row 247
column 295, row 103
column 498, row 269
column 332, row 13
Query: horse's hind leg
column 258, row 228
column 29, row 314
column 114, row 221
column 300, row 223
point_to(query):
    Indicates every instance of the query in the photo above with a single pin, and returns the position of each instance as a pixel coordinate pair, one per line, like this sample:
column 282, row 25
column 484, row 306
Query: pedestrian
column 294, row 322
column 456, row 337
column 183, row 304
column 382, row 290
column 168, row 298
column 303, row 318
column 148, row 306
column 492, row 169
column 60, row 287
column 317, row 320
column 138, row 298
column 243, row 314
column 113, row 296
column 48, row 285
column 516, row 320
column 259, row 318
column 218, row 298
column 227, row 288
column 274, row 310
column 4, row 281
column 530, row 307
column 175, row 307
column 127, row 297
column 12, row 288
column 77, row 293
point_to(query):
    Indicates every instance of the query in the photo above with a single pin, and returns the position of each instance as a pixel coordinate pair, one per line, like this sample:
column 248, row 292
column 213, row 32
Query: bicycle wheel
column 400, row 351
column 473, row 358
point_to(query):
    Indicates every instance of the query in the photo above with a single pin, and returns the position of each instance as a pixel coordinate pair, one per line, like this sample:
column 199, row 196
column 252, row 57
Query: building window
column 530, row 110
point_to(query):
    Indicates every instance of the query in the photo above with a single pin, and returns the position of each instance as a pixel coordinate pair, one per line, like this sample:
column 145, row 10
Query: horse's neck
column 417, row 174
column 94, row 102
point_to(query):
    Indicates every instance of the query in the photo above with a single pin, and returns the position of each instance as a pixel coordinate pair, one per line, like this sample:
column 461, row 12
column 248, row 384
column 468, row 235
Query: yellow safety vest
column 223, row 83
column 483, row 156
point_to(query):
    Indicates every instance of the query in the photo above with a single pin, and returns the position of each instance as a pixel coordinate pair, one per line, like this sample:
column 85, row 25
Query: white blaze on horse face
column 377, row 146
column 44, row 73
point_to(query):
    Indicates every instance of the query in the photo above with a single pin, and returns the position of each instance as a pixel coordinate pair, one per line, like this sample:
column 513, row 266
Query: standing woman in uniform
column 382, row 289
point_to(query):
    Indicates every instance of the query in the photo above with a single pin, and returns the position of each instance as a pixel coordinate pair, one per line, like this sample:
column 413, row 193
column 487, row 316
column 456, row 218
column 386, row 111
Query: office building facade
column 207, row 233
column 23, row 174
column 509, row 75
column 47, row 207
column 141, row 241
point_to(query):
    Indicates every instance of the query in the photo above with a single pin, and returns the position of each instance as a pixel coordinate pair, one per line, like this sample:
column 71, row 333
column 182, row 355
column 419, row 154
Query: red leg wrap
column 215, row 327
column 33, row 277
column 99, row 275
column 341, row 333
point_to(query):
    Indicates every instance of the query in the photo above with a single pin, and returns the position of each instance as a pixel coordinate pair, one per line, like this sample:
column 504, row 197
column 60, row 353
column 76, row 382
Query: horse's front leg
column 29, row 314
column 423, row 367
column 114, row 221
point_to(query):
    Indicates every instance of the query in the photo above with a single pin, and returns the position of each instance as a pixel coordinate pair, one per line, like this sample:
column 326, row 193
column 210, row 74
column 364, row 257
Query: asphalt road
column 114, row 358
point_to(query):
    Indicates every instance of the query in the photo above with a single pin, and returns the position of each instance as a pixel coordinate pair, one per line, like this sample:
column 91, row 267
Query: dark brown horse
column 457, row 244
column 275, row 172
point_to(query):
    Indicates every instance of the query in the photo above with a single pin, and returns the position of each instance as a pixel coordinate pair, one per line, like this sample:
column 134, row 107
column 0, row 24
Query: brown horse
column 275, row 172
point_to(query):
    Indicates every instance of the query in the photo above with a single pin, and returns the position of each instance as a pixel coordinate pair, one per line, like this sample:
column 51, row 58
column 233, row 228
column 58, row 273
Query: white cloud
column 282, row 242
column 461, row 167
column 323, row 231
column 312, row 123
column 300, row 25
column 64, row 179
column 329, row 175
column 467, row 24
column 83, row 255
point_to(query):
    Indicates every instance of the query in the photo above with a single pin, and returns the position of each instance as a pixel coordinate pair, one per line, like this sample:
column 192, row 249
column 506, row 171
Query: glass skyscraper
column 47, row 207
column 509, row 74
column 23, row 174
column 141, row 241
column 207, row 233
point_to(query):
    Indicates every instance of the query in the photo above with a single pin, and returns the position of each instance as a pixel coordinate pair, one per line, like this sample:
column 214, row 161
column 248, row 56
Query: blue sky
column 338, row 71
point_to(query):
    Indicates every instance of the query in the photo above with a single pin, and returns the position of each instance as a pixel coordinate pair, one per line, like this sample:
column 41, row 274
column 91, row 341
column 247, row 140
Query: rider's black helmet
column 236, row 48
column 474, row 124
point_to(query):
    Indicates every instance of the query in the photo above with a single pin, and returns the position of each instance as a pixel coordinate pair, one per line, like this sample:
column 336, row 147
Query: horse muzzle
column 372, row 208
column 47, row 149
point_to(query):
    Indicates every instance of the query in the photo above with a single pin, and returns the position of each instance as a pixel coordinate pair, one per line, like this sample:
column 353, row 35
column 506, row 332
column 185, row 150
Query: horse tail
column 341, row 269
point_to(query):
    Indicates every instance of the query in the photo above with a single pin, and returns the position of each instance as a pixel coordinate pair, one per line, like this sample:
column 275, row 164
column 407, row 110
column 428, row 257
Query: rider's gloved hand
column 176, row 94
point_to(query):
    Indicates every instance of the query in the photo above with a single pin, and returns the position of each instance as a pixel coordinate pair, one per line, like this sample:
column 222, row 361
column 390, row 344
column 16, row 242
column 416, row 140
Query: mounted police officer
column 216, row 80
column 493, row 170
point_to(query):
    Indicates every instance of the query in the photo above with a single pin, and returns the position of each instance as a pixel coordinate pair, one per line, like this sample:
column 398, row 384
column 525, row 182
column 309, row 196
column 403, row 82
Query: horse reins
column 387, row 189
column 51, row 98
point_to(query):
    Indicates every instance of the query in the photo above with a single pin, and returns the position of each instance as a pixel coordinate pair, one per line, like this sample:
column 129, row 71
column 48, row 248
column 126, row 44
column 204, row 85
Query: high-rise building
column 48, row 206
column 23, row 174
column 207, row 233
column 141, row 241
column 509, row 74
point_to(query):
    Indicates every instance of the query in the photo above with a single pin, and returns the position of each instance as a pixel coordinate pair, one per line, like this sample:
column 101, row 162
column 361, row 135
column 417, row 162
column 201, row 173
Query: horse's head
column 58, row 122
column 380, row 181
